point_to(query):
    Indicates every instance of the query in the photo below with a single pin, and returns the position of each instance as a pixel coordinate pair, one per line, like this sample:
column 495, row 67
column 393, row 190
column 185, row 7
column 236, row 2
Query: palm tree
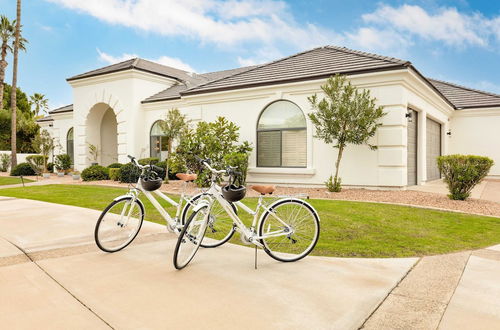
column 6, row 34
column 40, row 103
column 13, row 94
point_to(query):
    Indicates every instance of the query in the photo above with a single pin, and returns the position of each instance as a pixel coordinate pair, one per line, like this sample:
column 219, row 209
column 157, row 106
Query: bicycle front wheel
column 191, row 236
column 291, row 231
column 220, row 226
column 119, row 224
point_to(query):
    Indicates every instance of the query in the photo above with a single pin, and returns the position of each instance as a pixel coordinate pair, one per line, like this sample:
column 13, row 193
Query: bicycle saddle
column 264, row 189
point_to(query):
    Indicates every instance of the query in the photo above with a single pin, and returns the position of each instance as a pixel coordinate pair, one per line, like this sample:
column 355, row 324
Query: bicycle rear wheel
column 302, row 223
column 191, row 236
column 119, row 224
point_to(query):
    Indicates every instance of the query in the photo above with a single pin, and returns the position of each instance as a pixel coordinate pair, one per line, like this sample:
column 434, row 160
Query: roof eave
column 160, row 100
column 74, row 78
column 278, row 82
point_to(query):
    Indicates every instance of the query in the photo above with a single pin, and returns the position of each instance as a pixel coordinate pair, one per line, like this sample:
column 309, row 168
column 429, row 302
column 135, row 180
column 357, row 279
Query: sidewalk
column 71, row 284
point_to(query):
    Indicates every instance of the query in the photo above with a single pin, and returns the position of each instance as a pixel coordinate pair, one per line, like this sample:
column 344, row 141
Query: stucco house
column 117, row 108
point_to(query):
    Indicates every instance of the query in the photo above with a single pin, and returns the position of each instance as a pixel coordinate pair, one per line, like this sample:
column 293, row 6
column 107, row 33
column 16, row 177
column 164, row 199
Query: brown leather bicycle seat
column 186, row 176
column 264, row 189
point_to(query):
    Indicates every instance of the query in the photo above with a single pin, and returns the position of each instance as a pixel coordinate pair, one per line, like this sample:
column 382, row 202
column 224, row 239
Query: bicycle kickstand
column 255, row 256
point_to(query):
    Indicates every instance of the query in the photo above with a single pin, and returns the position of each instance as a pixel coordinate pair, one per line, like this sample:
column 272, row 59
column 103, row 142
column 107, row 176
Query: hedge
column 463, row 172
column 94, row 173
column 115, row 165
column 129, row 173
column 114, row 174
column 22, row 169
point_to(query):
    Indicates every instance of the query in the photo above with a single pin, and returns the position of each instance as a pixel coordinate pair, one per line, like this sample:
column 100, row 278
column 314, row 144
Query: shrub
column 37, row 163
column 462, row 173
column 115, row 165
column 129, row 173
column 147, row 161
column 50, row 167
column 4, row 162
column 94, row 173
column 114, row 174
column 22, row 169
column 63, row 163
column 333, row 184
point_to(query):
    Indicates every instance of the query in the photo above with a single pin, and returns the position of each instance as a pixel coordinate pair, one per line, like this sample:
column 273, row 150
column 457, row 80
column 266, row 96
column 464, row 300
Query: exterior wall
column 21, row 158
column 477, row 132
column 58, row 129
column 385, row 167
column 123, row 93
column 360, row 166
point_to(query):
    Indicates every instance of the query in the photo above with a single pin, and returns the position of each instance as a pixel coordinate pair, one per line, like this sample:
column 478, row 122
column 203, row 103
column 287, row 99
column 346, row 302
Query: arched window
column 70, row 149
column 158, row 142
column 281, row 136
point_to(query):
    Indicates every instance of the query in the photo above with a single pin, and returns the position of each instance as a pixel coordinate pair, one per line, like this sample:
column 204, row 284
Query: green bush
column 463, row 172
column 50, row 167
column 115, row 165
column 147, row 161
column 333, row 184
column 63, row 163
column 114, row 174
column 176, row 164
column 4, row 162
column 94, row 173
column 129, row 173
column 37, row 163
column 22, row 169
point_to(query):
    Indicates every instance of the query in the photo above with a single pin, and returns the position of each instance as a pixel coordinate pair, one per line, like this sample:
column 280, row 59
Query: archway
column 101, row 131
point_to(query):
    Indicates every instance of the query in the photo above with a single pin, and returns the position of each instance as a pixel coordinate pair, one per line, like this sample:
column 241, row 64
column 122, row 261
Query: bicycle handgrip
column 157, row 168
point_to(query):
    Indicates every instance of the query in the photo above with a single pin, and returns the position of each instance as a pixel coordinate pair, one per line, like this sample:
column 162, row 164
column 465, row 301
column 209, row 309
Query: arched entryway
column 101, row 131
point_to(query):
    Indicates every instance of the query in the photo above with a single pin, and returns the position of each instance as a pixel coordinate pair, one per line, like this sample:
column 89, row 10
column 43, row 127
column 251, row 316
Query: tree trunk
column 3, row 65
column 337, row 163
column 13, row 95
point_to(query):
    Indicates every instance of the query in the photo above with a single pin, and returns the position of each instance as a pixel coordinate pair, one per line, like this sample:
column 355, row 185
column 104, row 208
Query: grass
column 6, row 180
column 348, row 229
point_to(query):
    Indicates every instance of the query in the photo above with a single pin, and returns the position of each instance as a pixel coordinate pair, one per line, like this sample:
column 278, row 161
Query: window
column 70, row 145
column 158, row 142
column 281, row 136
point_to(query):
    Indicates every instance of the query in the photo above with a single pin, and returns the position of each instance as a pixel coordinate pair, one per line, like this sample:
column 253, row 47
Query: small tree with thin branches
column 172, row 127
column 346, row 115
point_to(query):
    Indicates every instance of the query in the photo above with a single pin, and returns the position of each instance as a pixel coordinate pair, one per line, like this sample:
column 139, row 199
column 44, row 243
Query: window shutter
column 294, row 148
column 269, row 153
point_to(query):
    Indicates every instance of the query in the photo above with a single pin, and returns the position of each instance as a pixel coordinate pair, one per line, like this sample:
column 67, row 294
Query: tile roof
column 137, row 64
column 463, row 97
column 66, row 108
column 174, row 92
column 44, row 119
column 316, row 63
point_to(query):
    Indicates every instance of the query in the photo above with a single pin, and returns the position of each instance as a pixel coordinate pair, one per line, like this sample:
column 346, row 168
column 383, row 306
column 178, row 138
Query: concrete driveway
column 488, row 190
column 53, row 276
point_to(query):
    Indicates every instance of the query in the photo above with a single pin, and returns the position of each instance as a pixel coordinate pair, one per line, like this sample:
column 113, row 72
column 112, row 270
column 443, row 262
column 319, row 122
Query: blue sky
column 457, row 41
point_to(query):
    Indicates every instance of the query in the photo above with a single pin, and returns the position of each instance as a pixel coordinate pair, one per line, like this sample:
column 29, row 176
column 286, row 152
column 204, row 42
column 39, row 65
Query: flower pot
column 76, row 176
column 60, row 174
column 46, row 175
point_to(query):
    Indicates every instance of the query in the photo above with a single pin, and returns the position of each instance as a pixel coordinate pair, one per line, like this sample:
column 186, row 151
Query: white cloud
column 214, row 21
column 261, row 56
column 165, row 60
column 374, row 39
column 447, row 25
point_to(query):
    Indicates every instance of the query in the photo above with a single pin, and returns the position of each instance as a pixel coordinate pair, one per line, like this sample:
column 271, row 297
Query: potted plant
column 63, row 164
column 75, row 175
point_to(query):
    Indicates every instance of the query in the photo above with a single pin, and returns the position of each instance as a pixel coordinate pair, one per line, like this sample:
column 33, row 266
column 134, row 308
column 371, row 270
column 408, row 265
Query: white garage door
column 412, row 148
column 433, row 149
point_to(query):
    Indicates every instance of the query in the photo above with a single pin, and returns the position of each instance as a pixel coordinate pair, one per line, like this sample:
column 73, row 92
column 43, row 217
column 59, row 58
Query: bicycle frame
column 249, row 232
column 172, row 223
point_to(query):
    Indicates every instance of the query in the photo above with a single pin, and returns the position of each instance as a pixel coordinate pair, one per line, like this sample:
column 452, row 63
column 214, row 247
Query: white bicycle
column 121, row 221
column 287, row 229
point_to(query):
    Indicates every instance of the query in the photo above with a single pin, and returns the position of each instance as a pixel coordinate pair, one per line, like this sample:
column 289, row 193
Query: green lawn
column 6, row 180
column 348, row 229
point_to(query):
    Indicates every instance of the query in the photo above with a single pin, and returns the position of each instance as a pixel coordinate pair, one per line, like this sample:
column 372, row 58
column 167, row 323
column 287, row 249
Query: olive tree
column 172, row 127
column 44, row 145
column 345, row 115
